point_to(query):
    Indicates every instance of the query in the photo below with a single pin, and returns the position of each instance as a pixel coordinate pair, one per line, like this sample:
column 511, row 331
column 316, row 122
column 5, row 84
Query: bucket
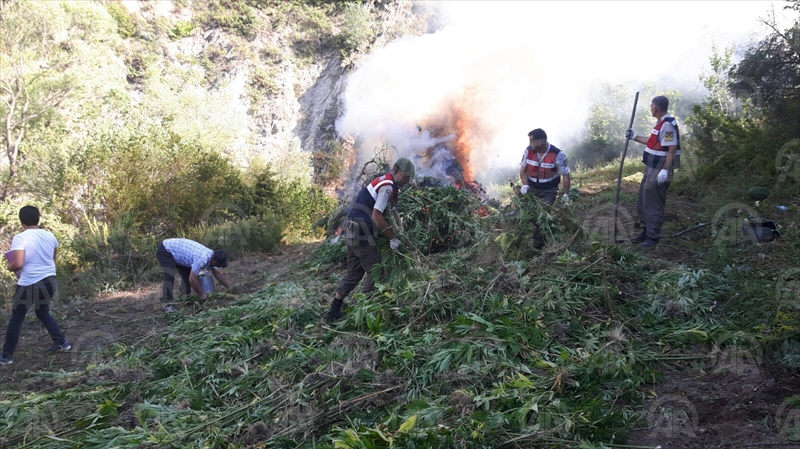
column 206, row 282
column 765, row 231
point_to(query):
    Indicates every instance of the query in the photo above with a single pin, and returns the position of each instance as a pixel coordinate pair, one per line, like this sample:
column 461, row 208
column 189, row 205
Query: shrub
column 126, row 25
column 149, row 173
column 181, row 29
column 233, row 15
column 357, row 32
column 257, row 233
column 113, row 257
column 264, row 192
column 262, row 84
column 300, row 205
column 329, row 166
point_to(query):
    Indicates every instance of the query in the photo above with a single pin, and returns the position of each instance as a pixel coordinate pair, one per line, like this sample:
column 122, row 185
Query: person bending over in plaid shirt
column 188, row 258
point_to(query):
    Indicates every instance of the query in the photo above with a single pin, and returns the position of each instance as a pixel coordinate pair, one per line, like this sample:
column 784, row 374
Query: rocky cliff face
column 287, row 69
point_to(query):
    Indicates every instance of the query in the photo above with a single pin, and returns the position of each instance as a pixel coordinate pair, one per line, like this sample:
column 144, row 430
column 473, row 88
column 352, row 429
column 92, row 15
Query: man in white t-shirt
column 33, row 256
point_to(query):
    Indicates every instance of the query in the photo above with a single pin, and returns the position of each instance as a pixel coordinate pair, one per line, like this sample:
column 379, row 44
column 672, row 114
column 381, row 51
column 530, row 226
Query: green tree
column 50, row 55
column 33, row 58
column 768, row 75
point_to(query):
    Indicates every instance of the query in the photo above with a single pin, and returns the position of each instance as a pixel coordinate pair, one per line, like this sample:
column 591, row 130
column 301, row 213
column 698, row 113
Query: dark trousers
column 651, row 202
column 36, row 297
column 169, row 267
column 360, row 260
column 549, row 197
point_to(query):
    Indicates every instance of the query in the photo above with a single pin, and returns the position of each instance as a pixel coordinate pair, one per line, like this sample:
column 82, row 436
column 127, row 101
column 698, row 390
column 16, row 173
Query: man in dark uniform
column 542, row 167
column 364, row 224
column 660, row 157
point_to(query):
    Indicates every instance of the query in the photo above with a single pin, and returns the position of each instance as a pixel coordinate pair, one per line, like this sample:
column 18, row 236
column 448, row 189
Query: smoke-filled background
column 496, row 70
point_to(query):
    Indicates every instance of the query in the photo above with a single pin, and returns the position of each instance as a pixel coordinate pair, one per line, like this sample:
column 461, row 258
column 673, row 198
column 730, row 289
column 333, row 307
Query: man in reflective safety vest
column 541, row 170
column 660, row 157
column 364, row 224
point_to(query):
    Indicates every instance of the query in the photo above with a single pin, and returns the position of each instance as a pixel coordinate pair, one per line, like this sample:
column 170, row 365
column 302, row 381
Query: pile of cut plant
column 472, row 339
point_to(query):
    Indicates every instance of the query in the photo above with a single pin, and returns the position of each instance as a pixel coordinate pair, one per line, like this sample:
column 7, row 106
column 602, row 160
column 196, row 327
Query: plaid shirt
column 189, row 253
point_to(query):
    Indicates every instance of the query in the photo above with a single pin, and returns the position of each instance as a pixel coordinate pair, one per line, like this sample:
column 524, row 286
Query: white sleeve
column 384, row 194
column 524, row 161
column 17, row 243
column 561, row 163
column 668, row 137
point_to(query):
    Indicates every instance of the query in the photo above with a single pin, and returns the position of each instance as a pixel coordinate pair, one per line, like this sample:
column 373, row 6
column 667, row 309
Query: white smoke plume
column 509, row 67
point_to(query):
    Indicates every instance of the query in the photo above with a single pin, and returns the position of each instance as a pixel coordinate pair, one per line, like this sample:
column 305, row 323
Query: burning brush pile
column 442, row 218
column 439, row 206
column 436, row 217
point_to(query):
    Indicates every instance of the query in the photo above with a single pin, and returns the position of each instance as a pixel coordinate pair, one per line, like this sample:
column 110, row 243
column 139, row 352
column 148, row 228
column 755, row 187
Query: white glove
column 565, row 198
column 524, row 189
column 662, row 176
column 394, row 244
column 629, row 134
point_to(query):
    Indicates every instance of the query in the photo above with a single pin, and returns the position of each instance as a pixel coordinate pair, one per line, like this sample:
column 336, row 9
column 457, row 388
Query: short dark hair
column 661, row 103
column 221, row 258
column 29, row 215
column 538, row 134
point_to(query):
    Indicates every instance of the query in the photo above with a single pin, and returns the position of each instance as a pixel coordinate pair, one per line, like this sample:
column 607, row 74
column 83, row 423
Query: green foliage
column 750, row 118
column 181, row 29
column 458, row 348
column 255, row 233
column 300, row 205
column 313, row 28
column 685, row 291
column 33, row 70
column 333, row 252
column 154, row 177
column 728, row 135
column 233, row 15
column 271, row 54
column 126, row 24
column 609, row 117
column 438, row 218
column 113, row 257
column 356, row 33
column 262, row 85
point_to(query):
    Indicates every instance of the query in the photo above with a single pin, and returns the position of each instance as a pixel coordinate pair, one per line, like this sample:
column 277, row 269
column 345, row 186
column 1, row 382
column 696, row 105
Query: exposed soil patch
column 744, row 407
column 131, row 318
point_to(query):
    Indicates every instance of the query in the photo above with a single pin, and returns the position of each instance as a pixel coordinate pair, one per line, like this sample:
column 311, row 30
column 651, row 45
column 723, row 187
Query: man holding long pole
column 660, row 157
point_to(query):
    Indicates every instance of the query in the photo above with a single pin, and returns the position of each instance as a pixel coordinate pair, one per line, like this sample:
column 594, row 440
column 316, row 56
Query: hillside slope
column 473, row 342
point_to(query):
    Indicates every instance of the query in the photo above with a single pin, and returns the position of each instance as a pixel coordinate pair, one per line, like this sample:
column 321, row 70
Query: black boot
column 649, row 243
column 335, row 311
column 640, row 238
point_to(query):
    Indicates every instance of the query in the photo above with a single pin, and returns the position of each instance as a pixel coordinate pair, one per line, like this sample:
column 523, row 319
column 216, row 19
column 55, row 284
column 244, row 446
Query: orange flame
column 461, row 120
column 465, row 123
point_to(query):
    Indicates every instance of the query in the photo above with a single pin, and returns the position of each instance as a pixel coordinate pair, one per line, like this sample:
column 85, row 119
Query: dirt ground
column 129, row 318
column 738, row 406
column 746, row 405
column 734, row 404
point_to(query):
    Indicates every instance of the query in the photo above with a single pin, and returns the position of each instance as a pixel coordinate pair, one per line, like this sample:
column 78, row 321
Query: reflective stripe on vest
column 373, row 187
column 542, row 169
column 365, row 201
column 654, row 146
column 377, row 183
